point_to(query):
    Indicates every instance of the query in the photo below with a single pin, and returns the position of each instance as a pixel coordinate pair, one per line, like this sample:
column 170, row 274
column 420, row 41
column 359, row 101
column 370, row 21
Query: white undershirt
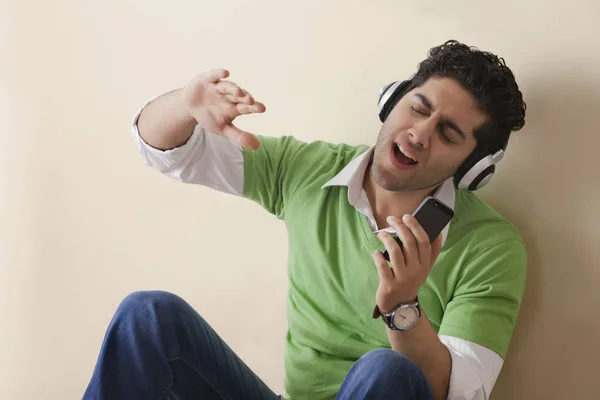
column 218, row 163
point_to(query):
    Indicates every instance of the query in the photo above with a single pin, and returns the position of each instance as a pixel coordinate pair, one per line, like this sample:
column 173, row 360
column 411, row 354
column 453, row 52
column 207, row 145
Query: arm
column 422, row 346
column 475, row 369
column 209, row 150
column 165, row 122
column 205, row 159
column 207, row 100
column 400, row 284
column 478, row 321
column 456, row 369
column 171, row 132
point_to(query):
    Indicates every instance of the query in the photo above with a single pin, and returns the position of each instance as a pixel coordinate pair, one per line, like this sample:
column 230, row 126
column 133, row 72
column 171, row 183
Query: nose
column 421, row 132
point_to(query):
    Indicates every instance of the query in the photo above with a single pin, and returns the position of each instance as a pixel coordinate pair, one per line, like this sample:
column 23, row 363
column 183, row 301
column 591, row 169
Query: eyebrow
column 448, row 122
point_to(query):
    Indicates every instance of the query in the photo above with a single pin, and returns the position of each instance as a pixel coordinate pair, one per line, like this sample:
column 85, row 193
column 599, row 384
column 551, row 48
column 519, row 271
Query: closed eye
column 417, row 111
column 440, row 129
column 445, row 137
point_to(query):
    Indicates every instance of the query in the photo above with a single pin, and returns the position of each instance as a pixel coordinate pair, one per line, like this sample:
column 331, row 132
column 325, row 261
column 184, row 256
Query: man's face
column 433, row 124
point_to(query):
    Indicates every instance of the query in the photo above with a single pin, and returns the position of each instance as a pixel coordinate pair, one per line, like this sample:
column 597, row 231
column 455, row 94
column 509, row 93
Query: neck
column 385, row 203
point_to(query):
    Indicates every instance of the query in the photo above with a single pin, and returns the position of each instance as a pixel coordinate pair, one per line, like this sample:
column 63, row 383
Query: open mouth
column 402, row 157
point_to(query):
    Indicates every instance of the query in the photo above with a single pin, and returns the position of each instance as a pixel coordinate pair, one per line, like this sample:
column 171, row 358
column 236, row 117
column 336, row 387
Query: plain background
column 84, row 222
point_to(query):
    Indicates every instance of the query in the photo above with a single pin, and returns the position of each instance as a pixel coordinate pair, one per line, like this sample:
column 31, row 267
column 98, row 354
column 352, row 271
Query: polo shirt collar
column 353, row 174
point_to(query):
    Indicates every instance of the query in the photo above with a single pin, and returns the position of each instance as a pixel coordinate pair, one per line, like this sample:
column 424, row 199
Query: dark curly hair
column 488, row 79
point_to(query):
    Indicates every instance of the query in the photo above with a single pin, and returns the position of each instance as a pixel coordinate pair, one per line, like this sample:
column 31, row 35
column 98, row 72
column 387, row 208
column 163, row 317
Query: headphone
column 475, row 172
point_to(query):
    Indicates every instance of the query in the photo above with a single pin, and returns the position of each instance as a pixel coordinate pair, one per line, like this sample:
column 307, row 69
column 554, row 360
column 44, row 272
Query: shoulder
column 303, row 157
column 485, row 242
column 476, row 220
column 282, row 167
column 308, row 149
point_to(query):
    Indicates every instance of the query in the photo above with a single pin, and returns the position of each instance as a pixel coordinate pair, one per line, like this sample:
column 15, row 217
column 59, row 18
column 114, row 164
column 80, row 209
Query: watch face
column 406, row 316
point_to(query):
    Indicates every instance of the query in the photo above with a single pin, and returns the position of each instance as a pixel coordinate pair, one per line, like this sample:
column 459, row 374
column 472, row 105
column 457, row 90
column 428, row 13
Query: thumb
column 243, row 138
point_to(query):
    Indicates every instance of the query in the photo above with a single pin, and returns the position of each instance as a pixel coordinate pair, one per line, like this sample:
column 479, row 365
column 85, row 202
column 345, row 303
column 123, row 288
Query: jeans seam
column 164, row 392
column 167, row 388
column 192, row 365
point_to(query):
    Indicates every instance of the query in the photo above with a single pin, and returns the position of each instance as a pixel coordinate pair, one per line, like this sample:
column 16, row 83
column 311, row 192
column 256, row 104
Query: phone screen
column 433, row 215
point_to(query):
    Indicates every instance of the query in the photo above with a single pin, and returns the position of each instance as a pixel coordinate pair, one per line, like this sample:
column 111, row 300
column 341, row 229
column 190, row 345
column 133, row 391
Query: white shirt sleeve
column 205, row 159
column 474, row 369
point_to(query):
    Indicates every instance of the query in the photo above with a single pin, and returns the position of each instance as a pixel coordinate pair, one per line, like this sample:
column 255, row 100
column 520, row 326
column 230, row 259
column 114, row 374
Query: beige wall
column 84, row 223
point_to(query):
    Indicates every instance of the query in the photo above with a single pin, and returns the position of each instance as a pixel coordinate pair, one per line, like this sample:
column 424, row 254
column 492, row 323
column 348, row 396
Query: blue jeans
column 158, row 348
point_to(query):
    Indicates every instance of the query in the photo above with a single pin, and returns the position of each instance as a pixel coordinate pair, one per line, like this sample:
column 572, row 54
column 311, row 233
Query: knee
column 384, row 374
column 386, row 364
column 139, row 304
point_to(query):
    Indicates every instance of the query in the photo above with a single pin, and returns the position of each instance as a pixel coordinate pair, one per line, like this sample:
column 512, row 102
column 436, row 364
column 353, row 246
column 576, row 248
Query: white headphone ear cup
column 381, row 93
column 475, row 173
column 385, row 94
column 389, row 96
column 485, row 179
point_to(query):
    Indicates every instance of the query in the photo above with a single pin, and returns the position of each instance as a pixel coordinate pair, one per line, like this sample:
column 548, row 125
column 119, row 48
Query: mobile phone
column 433, row 215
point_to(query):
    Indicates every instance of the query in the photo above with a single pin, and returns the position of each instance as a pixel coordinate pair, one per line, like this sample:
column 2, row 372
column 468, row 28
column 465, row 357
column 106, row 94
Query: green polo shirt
column 473, row 292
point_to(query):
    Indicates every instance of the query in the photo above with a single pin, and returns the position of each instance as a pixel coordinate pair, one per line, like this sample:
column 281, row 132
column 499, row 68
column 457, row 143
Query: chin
column 386, row 180
column 395, row 186
column 391, row 182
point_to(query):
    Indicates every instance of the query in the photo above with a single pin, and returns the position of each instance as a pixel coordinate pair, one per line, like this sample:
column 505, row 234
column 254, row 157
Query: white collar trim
column 352, row 176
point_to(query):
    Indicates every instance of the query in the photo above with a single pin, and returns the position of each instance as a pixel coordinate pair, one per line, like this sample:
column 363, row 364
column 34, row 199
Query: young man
column 443, row 131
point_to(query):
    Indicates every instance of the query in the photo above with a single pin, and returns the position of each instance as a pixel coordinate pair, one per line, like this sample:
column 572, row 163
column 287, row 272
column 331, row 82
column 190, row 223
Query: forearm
column 165, row 123
column 422, row 346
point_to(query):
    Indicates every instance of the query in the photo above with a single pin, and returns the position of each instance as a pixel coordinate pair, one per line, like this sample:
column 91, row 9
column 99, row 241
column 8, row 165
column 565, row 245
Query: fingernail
column 406, row 218
column 390, row 219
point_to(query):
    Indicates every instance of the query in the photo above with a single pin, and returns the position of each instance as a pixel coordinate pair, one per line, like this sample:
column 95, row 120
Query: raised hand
column 215, row 103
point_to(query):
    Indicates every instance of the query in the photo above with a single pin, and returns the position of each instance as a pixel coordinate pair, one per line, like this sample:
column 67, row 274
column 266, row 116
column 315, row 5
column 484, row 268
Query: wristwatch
column 402, row 318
